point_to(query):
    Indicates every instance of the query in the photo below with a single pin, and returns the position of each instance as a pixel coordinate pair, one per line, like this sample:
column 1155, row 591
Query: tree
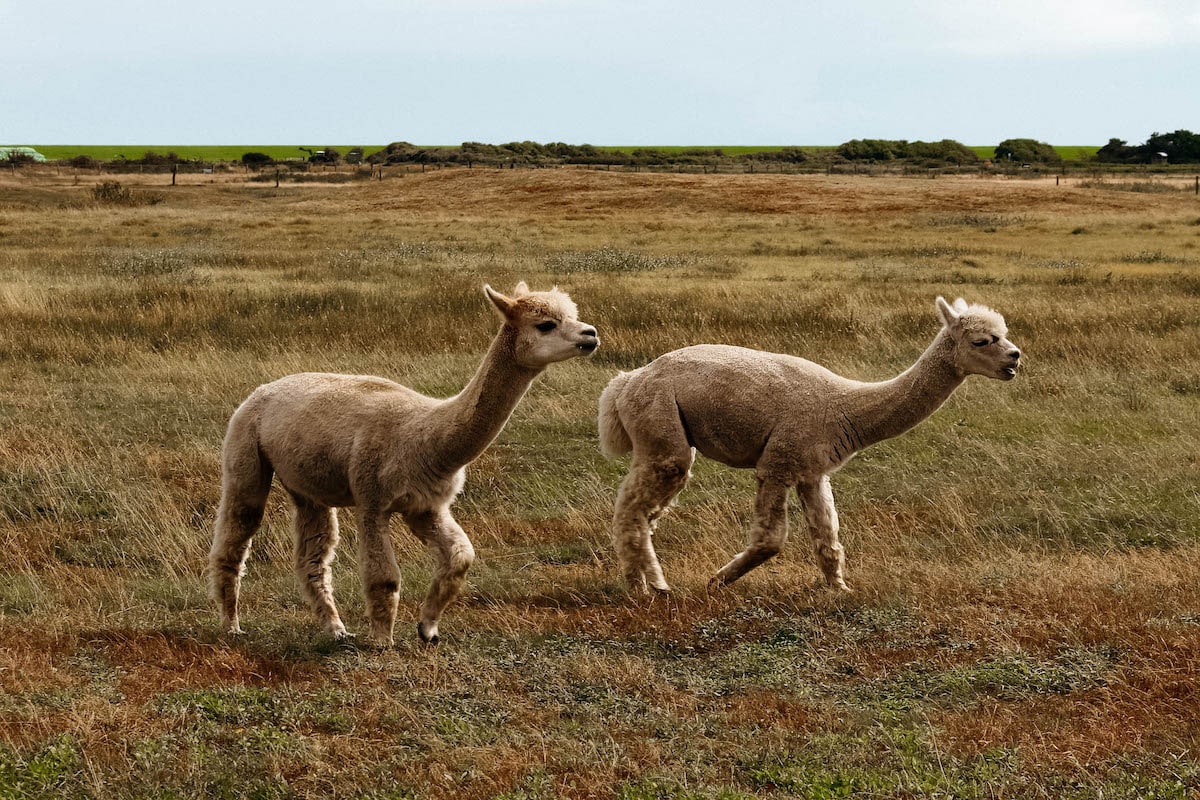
column 1117, row 152
column 1027, row 151
column 1181, row 147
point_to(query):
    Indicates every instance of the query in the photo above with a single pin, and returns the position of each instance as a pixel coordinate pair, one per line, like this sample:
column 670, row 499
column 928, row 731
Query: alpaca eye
column 981, row 342
column 547, row 326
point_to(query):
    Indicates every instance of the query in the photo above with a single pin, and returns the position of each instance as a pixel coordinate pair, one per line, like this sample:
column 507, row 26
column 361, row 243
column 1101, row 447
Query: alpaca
column 366, row 442
column 793, row 421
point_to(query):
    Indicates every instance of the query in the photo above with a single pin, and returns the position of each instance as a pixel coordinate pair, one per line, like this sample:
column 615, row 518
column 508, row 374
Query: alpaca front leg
column 380, row 575
column 767, row 537
column 822, row 517
column 454, row 555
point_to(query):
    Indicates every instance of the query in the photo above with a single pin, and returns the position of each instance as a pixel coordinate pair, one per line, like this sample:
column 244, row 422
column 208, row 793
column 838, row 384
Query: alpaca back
column 614, row 439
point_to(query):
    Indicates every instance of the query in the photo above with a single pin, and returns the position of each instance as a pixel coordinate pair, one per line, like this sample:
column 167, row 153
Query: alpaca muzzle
column 590, row 343
column 1010, row 372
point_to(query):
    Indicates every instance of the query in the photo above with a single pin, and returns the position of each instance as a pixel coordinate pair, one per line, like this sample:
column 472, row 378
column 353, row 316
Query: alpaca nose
column 1014, row 354
column 590, row 340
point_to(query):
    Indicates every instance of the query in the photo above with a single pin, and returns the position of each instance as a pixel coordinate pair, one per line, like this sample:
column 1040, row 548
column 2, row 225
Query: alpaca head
column 981, row 346
column 543, row 326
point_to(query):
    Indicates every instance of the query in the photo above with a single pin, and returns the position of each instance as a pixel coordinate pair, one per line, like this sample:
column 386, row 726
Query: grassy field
column 1026, row 563
column 1066, row 152
column 1071, row 152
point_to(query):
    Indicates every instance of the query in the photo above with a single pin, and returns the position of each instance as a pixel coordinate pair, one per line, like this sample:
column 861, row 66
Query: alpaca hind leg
column 822, row 517
column 627, row 531
column 644, row 496
column 316, row 535
column 767, row 536
column 380, row 575
column 245, row 485
column 454, row 555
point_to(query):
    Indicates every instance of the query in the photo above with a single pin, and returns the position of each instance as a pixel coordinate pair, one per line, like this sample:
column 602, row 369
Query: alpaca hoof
column 428, row 638
column 342, row 635
column 234, row 630
column 637, row 587
column 654, row 580
column 714, row 583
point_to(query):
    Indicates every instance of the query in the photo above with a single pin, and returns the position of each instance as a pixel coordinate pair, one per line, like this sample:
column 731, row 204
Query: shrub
column 792, row 155
column 113, row 193
column 18, row 159
column 947, row 151
column 256, row 160
column 153, row 159
column 872, row 149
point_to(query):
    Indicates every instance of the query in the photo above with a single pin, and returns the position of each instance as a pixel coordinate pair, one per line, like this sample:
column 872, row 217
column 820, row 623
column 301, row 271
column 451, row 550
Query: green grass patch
column 281, row 708
column 51, row 771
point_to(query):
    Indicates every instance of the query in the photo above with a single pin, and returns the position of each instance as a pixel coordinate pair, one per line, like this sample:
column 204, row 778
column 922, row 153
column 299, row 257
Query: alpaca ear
column 521, row 290
column 946, row 312
column 503, row 304
column 960, row 305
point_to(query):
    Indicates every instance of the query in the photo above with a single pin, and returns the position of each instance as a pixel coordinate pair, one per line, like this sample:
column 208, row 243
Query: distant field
column 221, row 152
column 1076, row 152
column 233, row 152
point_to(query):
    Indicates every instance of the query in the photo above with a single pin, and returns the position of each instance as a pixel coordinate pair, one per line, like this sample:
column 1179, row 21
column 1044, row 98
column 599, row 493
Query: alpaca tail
column 614, row 439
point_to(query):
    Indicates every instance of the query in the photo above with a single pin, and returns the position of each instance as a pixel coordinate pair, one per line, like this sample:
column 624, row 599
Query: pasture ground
column 1026, row 563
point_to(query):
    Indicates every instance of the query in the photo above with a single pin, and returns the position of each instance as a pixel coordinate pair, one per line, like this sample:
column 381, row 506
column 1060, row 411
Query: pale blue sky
column 618, row 72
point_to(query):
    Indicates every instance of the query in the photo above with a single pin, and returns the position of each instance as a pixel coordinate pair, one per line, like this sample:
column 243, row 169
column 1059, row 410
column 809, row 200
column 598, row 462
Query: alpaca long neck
column 883, row 410
column 473, row 418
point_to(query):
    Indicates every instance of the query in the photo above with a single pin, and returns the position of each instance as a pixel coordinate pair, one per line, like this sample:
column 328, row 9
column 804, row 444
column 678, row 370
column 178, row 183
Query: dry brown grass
column 1026, row 565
